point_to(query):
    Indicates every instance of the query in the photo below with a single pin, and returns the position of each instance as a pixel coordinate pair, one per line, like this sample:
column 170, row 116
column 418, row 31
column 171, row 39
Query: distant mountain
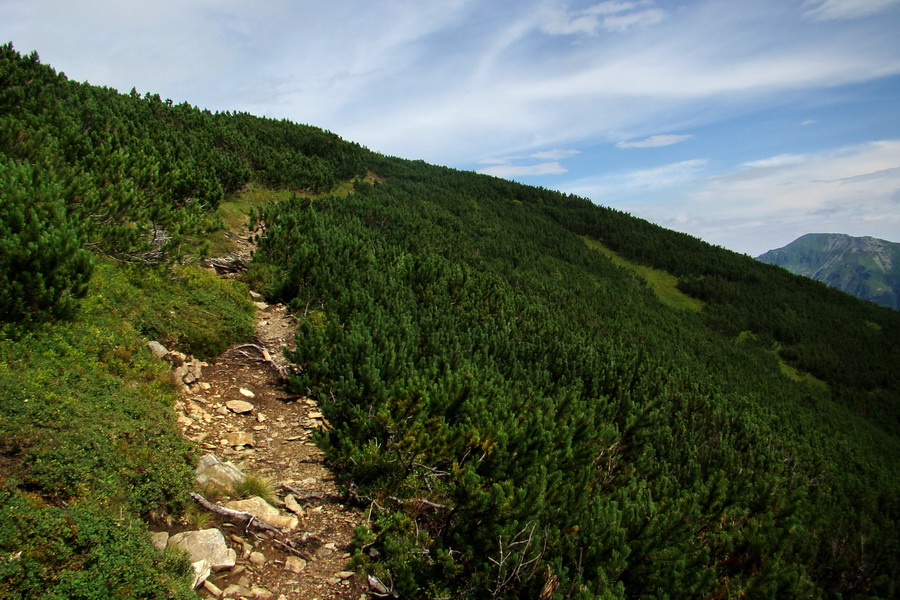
column 865, row 267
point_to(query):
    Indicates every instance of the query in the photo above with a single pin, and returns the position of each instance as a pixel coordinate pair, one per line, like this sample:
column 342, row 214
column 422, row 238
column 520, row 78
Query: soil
column 282, row 450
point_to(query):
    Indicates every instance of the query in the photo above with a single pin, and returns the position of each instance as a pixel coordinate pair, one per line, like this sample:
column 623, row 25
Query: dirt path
column 279, row 448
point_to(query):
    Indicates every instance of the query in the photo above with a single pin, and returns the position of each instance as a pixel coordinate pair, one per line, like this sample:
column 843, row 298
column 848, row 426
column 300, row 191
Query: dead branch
column 246, row 518
column 292, row 550
column 422, row 502
column 267, row 358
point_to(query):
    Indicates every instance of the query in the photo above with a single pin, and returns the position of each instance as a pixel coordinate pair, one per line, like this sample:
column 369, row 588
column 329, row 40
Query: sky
column 744, row 123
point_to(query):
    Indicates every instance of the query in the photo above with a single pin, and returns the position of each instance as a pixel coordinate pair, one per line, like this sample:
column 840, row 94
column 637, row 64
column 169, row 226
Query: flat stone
column 202, row 570
column 239, row 406
column 212, row 588
column 257, row 558
column 160, row 539
column 345, row 574
column 261, row 593
column 261, row 509
column 294, row 564
column 212, row 471
column 291, row 504
column 157, row 349
column 239, row 438
column 248, row 393
column 261, row 305
column 208, row 545
column 234, row 590
column 255, row 295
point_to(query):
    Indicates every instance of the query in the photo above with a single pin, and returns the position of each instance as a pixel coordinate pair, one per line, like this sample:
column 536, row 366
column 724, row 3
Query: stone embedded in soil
column 160, row 539
column 294, row 564
column 207, row 544
column 257, row 558
column 263, row 510
column 239, row 438
column 245, row 392
column 202, row 570
column 239, row 406
column 212, row 471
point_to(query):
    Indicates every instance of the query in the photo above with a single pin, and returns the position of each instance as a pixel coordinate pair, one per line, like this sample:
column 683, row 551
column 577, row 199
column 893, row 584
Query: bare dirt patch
column 274, row 440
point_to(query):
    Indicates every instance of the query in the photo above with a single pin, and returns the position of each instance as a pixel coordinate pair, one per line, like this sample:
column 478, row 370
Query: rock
column 208, row 545
column 212, row 588
column 176, row 358
column 261, row 305
column 234, row 590
column 180, row 373
column 245, row 392
column 205, row 386
column 261, row 593
column 239, row 438
column 184, row 421
column 214, row 472
column 291, row 504
column 239, row 406
column 260, row 417
column 255, row 295
column 314, row 414
column 202, row 570
column 157, row 349
column 294, row 564
column 257, row 558
column 261, row 509
column 160, row 539
column 222, row 411
column 344, row 574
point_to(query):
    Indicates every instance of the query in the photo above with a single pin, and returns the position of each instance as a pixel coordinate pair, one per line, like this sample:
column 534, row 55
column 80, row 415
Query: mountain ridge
column 865, row 267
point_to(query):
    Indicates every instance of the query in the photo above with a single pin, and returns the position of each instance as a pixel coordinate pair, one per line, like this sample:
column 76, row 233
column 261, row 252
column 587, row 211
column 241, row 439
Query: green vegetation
column 663, row 284
column 106, row 200
column 87, row 439
column 522, row 416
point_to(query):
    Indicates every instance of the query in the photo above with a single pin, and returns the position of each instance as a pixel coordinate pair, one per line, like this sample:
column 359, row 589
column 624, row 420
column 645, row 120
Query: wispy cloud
column 605, row 16
column 775, row 161
column 554, row 154
column 611, row 187
column 833, row 10
column 655, row 141
column 772, row 201
column 512, row 171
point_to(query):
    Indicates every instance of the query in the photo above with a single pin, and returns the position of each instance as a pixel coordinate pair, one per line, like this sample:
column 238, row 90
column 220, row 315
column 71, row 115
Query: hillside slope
column 531, row 396
column 865, row 267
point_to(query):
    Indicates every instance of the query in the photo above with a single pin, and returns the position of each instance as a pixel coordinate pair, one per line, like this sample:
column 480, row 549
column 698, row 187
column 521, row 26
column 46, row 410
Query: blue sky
column 747, row 124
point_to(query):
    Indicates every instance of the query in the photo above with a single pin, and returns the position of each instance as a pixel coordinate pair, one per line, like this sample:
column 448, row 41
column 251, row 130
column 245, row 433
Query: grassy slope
column 88, row 445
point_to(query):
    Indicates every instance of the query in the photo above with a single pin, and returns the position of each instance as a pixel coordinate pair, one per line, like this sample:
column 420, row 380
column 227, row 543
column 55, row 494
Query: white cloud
column 655, row 141
column 554, row 154
column 853, row 190
column 511, row 171
column 775, row 161
column 832, row 10
column 605, row 16
column 610, row 187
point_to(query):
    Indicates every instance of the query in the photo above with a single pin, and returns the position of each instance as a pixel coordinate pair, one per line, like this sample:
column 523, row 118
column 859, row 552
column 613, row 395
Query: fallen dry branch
column 267, row 358
column 290, row 549
column 244, row 517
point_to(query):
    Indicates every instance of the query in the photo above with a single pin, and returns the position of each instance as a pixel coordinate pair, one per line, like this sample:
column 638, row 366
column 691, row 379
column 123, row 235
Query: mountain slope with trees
column 533, row 396
column 865, row 267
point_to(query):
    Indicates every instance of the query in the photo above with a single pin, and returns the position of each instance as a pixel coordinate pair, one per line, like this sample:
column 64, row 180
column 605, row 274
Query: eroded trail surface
column 274, row 440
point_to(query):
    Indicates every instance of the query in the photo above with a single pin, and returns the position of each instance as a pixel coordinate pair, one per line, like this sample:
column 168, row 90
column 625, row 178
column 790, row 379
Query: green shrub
column 43, row 270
